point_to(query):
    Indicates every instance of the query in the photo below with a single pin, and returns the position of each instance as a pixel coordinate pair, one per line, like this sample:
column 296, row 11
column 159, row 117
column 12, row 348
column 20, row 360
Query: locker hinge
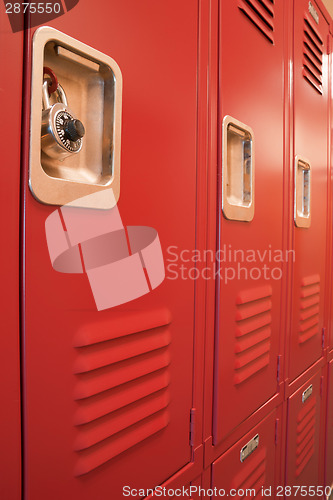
column 321, row 386
column 323, row 335
column 278, row 368
column 277, row 427
column 192, row 425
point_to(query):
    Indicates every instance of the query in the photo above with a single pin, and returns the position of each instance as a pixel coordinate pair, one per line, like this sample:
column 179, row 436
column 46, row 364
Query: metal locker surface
column 250, row 463
column 303, row 426
column 11, row 104
column 310, row 142
column 248, row 326
column 11, row 107
column 101, row 415
column 329, row 430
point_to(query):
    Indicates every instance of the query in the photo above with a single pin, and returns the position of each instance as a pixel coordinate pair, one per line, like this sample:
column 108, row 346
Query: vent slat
column 307, row 408
column 110, row 425
column 251, row 370
column 252, row 332
column 314, row 30
column 258, row 459
column 308, row 450
column 308, row 323
column 312, row 301
column 97, row 406
column 114, row 351
column 308, row 334
column 305, row 441
column 252, row 340
column 250, row 356
column 314, row 73
column 310, row 290
column 316, row 56
column 312, row 70
column 305, row 432
column 96, row 456
column 269, row 6
column 308, row 313
column 253, row 294
column 317, row 49
column 309, row 59
column 252, row 324
column 253, row 309
column 261, row 14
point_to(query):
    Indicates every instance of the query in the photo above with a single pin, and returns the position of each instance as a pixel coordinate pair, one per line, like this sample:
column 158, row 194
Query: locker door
column 310, row 144
column 239, row 469
column 302, row 467
column 11, row 48
column 250, row 245
column 104, row 414
column 329, row 439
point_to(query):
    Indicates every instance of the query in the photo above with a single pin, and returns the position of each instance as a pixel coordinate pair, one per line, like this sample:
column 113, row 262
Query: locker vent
column 252, row 474
column 122, row 389
column 305, row 435
column 253, row 332
column 261, row 14
column 312, row 55
column 309, row 310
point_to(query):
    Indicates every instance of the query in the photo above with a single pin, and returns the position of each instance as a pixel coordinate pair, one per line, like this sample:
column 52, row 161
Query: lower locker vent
column 309, row 308
column 122, row 389
column 305, row 436
column 261, row 14
column 253, row 332
column 252, row 474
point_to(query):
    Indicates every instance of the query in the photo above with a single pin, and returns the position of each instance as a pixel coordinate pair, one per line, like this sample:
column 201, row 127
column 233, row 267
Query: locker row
column 221, row 376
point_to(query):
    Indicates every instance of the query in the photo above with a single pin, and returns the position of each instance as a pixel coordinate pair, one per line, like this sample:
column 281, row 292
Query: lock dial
column 70, row 131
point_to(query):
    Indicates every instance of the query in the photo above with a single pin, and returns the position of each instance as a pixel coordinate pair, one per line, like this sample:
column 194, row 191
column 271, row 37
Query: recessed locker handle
column 302, row 202
column 237, row 170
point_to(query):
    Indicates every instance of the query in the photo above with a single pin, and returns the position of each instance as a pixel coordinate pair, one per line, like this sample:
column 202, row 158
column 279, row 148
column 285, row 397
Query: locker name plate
column 307, row 393
column 249, row 448
column 313, row 12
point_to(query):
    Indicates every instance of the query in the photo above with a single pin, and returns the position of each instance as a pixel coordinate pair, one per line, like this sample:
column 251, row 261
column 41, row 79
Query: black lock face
column 70, row 131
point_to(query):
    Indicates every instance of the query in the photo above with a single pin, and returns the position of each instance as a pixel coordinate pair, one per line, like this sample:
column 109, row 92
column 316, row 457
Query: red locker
column 310, row 184
column 303, row 428
column 125, row 417
column 250, row 464
column 11, row 104
column 250, row 187
column 329, row 429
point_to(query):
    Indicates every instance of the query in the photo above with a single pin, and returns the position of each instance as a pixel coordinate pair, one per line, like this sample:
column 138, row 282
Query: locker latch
column 302, row 192
column 237, row 170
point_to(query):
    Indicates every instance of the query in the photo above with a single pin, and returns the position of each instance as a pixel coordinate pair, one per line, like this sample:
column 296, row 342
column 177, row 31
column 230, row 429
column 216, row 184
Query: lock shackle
column 61, row 96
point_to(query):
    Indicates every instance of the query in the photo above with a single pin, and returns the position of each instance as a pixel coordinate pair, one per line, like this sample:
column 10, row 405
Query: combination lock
column 62, row 133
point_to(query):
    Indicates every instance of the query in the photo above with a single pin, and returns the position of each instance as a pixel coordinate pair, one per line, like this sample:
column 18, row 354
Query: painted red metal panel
column 329, row 429
column 303, row 427
column 310, row 142
column 139, row 430
column 10, row 102
column 248, row 335
column 257, row 471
